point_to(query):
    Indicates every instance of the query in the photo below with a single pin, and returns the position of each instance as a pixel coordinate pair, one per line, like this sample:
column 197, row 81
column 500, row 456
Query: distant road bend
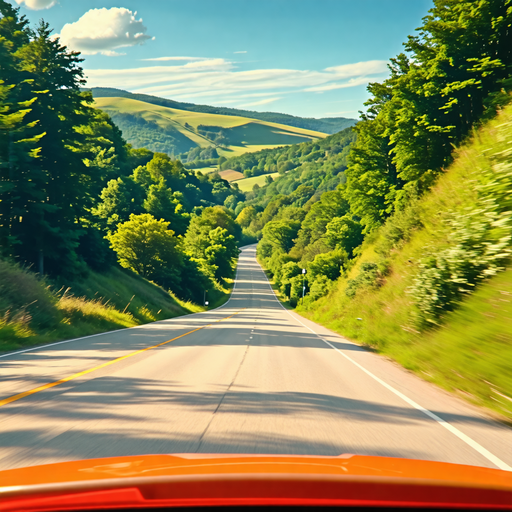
column 249, row 377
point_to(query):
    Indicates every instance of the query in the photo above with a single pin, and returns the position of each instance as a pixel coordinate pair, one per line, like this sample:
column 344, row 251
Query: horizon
column 281, row 57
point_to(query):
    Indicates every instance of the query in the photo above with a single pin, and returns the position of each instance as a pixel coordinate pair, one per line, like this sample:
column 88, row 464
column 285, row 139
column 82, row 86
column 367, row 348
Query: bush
column 481, row 244
column 367, row 277
column 479, row 239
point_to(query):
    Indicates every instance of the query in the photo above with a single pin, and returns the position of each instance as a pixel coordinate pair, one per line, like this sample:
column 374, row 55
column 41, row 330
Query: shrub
column 480, row 245
column 367, row 277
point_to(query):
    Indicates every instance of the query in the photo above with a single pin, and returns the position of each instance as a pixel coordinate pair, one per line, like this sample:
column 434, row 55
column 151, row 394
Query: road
column 249, row 377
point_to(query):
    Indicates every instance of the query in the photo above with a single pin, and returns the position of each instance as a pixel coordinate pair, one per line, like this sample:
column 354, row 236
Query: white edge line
column 119, row 330
column 455, row 431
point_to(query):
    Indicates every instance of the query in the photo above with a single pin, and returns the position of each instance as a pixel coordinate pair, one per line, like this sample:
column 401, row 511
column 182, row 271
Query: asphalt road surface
column 249, row 377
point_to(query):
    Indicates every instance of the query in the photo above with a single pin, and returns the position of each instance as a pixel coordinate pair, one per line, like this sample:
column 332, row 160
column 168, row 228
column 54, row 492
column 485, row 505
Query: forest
column 76, row 197
column 453, row 75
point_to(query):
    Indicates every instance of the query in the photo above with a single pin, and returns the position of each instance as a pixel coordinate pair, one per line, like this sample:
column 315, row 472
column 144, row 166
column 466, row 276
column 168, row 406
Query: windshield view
column 276, row 229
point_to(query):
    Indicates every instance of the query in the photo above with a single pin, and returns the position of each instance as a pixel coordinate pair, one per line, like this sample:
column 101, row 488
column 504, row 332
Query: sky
column 300, row 57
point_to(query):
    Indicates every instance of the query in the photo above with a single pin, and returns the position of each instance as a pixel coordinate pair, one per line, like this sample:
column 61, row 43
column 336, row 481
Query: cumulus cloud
column 103, row 31
column 37, row 5
column 219, row 81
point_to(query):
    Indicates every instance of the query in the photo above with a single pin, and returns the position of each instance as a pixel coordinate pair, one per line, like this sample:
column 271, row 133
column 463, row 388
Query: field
column 231, row 175
column 206, row 170
column 243, row 134
column 247, row 184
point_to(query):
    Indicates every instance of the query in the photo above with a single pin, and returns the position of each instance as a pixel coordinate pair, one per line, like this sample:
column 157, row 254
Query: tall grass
column 470, row 350
column 34, row 311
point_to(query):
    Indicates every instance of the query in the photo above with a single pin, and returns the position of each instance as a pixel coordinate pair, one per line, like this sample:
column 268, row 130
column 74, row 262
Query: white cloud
column 243, row 51
column 261, row 102
column 104, row 30
column 219, row 81
column 353, row 82
column 188, row 59
column 369, row 67
column 37, row 5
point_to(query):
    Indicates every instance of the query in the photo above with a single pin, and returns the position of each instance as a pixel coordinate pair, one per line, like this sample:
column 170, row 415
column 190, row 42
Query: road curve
column 249, row 377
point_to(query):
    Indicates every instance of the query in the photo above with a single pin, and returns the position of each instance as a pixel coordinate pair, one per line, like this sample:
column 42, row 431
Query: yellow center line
column 19, row 396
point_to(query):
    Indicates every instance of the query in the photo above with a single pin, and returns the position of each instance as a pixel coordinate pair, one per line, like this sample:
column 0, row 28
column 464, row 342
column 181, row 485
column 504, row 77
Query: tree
column 148, row 247
column 281, row 233
column 345, row 233
column 119, row 199
column 246, row 216
column 162, row 204
column 68, row 185
column 212, row 238
column 330, row 264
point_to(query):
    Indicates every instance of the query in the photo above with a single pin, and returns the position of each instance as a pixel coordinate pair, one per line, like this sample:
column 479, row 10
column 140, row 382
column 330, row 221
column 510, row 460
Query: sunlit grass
column 470, row 352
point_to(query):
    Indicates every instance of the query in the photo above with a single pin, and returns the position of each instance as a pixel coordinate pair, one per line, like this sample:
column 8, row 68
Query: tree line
column 454, row 74
column 74, row 195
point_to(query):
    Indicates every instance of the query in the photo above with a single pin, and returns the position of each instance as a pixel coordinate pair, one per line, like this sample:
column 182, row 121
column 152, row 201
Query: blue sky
column 306, row 58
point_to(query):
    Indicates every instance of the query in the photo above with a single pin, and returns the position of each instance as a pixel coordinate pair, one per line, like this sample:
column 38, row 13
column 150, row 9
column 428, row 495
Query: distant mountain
column 328, row 125
column 197, row 135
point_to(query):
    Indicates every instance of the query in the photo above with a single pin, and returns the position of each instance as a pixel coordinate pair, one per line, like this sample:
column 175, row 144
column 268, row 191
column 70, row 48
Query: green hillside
column 174, row 131
column 328, row 125
column 467, row 348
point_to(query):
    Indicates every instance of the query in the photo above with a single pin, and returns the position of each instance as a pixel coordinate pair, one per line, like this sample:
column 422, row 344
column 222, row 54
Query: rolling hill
column 327, row 125
column 175, row 131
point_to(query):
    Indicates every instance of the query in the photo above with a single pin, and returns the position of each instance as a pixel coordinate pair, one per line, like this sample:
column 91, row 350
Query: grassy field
column 34, row 312
column 470, row 351
column 230, row 175
column 206, row 170
column 247, row 184
column 244, row 134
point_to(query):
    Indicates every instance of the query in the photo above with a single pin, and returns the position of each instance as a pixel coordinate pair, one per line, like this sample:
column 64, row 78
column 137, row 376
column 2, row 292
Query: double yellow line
column 19, row 396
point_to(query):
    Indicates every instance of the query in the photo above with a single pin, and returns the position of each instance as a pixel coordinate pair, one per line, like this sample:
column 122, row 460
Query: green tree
column 345, row 233
column 162, row 204
column 119, row 199
column 281, row 233
column 212, row 238
column 54, row 75
column 148, row 247
column 246, row 216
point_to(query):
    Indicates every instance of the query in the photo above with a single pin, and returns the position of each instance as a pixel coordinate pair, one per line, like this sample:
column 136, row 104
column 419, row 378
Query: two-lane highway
column 249, row 377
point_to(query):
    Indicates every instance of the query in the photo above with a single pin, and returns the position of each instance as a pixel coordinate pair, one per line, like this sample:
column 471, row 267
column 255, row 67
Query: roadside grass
column 470, row 351
column 34, row 312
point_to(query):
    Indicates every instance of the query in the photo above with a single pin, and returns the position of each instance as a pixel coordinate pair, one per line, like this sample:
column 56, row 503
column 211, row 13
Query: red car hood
column 216, row 480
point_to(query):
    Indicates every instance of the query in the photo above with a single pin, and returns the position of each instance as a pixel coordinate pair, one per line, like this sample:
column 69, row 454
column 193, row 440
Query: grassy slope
column 246, row 184
column 471, row 353
column 103, row 302
column 245, row 134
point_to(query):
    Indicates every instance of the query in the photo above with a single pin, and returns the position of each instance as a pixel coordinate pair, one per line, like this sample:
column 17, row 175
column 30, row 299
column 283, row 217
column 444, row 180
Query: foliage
column 367, row 277
column 479, row 241
column 148, row 247
column 455, row 73
column 211, row 239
